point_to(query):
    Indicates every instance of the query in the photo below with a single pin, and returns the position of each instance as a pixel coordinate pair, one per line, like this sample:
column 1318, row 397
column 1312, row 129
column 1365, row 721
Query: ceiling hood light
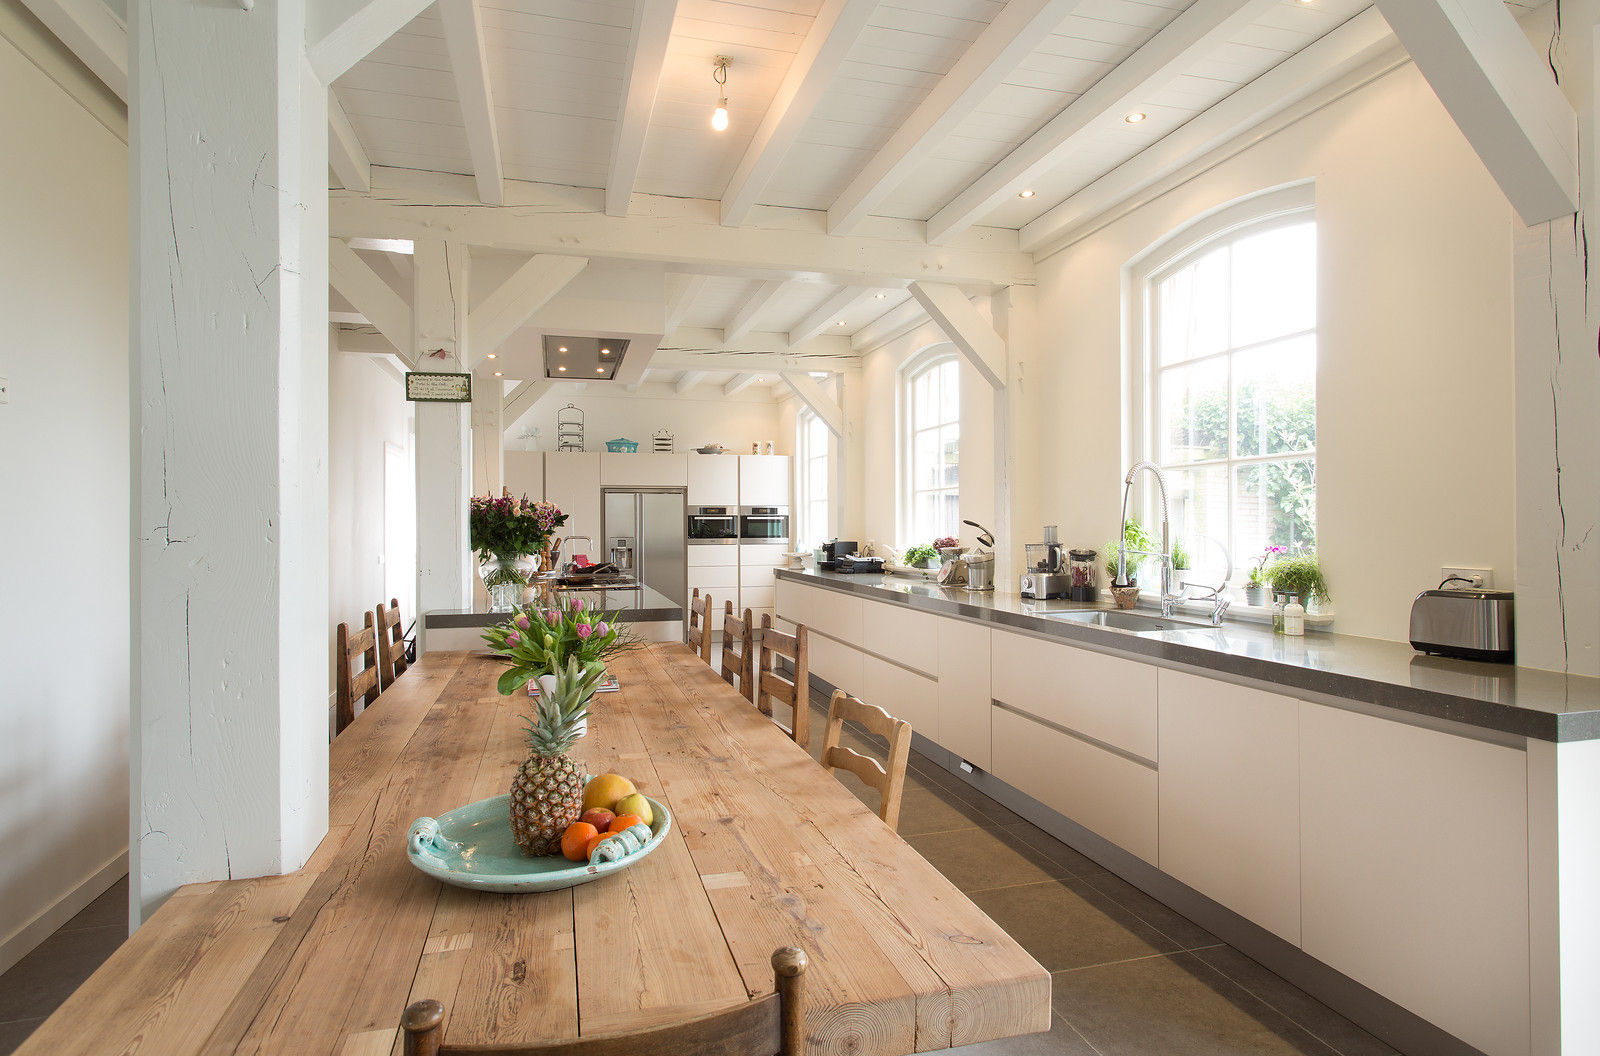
column 605, row 351
column 599, row 370
column 1134, row 118
column 563, row 348
column 1025, row 194
column 562, row 367
column 719, row 73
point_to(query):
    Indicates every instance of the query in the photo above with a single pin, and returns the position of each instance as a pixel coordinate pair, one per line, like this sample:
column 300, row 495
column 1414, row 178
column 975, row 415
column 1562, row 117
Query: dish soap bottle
column 1277, row 613
column 1294, row 618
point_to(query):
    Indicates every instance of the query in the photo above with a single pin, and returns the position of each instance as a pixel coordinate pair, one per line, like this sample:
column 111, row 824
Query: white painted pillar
column 444, row 442
column 228, row 172
column 1015, row 319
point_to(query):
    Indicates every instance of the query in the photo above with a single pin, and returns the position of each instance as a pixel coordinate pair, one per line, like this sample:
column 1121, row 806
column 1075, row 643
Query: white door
column 399, row 530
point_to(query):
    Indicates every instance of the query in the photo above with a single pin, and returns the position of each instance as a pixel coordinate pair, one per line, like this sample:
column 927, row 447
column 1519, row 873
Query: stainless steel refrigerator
column 648, row 527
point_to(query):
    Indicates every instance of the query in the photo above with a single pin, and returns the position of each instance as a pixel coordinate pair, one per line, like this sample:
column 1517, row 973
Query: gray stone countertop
column 638, row 604
column 1526, row 702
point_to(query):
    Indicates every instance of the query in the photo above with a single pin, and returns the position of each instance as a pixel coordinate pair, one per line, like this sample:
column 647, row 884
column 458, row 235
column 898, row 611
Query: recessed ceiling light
column 563, row 348
column 880, row 295
column 599, row 370
column 841, row 322
column 493, row 355
column 605, row 351
column 1025, row 194
column 499, row 374
column 562, row 367
column 1134, row 118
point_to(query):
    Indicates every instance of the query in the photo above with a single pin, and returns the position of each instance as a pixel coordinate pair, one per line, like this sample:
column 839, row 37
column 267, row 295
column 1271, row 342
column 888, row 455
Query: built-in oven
column 764, row 524
column 713, row 524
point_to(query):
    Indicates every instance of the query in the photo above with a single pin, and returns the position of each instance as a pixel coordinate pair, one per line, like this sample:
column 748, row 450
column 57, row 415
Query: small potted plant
column 1180, row 563
column 1299, row 575
column 922, row 556
column 537, row 643
column 1126, row 592
column 1255, row 590
column 949, row 547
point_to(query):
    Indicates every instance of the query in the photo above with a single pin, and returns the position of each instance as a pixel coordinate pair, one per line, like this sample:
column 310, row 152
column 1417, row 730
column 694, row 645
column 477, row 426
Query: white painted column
column 444, row 442
column 1015, row 319
column 228, row 170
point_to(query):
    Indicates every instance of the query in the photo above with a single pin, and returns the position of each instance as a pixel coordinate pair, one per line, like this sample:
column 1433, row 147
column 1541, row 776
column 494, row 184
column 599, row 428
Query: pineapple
column 547, row 793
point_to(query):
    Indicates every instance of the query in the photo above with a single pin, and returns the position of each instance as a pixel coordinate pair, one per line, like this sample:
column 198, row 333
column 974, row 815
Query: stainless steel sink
column 1121, row 621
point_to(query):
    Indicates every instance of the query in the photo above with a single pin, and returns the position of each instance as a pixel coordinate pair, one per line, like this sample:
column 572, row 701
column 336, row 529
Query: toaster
column 1466, row 624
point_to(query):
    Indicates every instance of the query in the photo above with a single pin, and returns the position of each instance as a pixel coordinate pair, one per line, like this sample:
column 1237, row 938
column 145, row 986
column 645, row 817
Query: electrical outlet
column 5, row 391
column 1480, row 578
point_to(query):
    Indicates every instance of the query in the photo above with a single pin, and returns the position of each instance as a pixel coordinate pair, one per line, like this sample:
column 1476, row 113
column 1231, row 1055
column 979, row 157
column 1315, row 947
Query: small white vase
column 547, row 687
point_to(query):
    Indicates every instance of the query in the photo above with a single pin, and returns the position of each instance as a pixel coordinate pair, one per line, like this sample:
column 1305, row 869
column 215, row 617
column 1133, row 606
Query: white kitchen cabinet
column 1104, row 697
column 1414, row 852
column 705, row 555
column 1229, row 797
column 903, row 634
column 964, row 690
column 763, row 480
column 713, row 480
column 838, row 664
column 831, row 611
column 1106, row 793
column 623, row 470
column 904, row 694
column 572, row 482
column 525, row 474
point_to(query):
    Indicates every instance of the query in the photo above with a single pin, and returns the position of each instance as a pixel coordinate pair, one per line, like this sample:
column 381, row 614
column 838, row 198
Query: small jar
column 1083, row 576
column 1277, row 613
column 1294, row 618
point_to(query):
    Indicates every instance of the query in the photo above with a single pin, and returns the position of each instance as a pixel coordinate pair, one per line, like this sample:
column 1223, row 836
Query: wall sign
column 424, row 387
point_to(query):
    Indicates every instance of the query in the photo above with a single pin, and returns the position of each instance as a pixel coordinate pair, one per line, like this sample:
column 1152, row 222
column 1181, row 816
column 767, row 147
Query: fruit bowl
column 471, row 847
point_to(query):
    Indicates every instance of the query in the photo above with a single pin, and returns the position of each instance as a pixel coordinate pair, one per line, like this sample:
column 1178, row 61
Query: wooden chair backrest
column 353, row 681
column 774, row 1025
column 770, row 684
column 888, row 777
column 391, row 642
column 699, row 636
column 738, row 638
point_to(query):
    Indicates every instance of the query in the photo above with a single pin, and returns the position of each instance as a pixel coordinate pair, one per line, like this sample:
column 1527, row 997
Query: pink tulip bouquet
column 538, row 641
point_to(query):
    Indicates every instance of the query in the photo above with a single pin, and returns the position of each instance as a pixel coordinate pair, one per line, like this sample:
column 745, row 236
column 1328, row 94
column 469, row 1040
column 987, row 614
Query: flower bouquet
column 536, row 643
column 507, row 535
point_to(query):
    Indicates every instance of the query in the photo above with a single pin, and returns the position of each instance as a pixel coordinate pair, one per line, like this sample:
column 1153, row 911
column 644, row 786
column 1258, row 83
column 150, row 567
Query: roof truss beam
column 744, row 320
column 370, row 295
column 690, row 379
column 821, row 404
column 346, row 156
column 521, row 399
column 1014, row 33
column 356, row 28
column 1201, row 29
column 1501, row 95
column 738, row 383
column 833, row 33
column 463, row 37
column 93, row 33
column 966, row 327
column 681, row 299
column 529, row 288
column 817, row 323
column 652, row 28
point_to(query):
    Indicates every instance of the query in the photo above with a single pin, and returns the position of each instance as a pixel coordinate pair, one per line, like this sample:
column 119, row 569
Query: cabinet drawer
column 720, row 578
column 713, row 554
column 756, row 598
column 903, row 694
column 964, row 691
column 1104, row 792
column 1103, row 697
column 827, row 610
column 837, row 664
column 759, row 576
column 762, row 556
column 901, row 634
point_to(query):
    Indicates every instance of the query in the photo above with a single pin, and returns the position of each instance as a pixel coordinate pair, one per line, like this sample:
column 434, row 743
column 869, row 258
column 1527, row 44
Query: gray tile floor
column 1131, row 977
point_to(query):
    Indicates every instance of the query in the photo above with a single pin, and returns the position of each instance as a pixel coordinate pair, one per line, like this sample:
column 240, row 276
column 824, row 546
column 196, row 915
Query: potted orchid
column 537, row 642
column 1256, row 590
column 507, row 535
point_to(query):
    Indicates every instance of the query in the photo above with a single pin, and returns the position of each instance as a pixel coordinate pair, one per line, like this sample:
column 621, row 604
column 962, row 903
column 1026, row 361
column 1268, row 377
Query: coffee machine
column 1047, row 575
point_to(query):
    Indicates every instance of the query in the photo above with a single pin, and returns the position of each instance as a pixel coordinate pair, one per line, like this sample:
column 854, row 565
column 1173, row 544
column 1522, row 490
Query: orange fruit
column 576, row 839
column 594, row 841
column 624, row 821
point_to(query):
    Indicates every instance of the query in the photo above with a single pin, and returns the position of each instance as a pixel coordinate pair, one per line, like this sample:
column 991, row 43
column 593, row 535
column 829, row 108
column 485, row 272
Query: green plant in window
column 1180, row 555
column 921, row 556
column 1300, row 575
column 1134, row 538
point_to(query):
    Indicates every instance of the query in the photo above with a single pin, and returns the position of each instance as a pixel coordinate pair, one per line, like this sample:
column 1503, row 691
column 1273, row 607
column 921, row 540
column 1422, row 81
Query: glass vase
column 505, row 578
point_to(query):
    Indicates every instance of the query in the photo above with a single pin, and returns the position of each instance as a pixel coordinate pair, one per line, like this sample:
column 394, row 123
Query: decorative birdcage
column 569, row 428
column 661, row 443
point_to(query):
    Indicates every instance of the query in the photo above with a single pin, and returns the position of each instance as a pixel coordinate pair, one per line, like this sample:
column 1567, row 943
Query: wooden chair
column 774, row 1025
column 888, row 777
column 699, row 636
column 391, row 642
column 738, row 650
column 351, row 681
column 770, row 684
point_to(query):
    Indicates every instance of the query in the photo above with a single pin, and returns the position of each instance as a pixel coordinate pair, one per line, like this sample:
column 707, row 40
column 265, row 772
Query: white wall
column 64, row 499
column 1415, row 355
column 702, row 415
column 367, row 409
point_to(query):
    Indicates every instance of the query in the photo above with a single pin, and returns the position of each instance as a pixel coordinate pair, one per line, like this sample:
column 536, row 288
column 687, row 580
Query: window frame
column 934, row 358
column 1276, row 208
column 806, row 422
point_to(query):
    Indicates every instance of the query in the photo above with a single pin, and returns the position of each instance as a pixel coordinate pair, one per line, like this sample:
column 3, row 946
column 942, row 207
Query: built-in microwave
column 713, row 524
column 764, row 524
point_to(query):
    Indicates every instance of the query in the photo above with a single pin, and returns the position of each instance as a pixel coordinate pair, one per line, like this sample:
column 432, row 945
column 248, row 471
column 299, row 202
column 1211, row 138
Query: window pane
column 949, row 516
column 924, row 400
column 1274, row 283
column 925, row 460
column 950, row 392
column 1193, row 309
column 1194, row 413
column 922, row 524
column 950, row 457
column 1275, row 505
column 1275, row 398
column 1199, row 506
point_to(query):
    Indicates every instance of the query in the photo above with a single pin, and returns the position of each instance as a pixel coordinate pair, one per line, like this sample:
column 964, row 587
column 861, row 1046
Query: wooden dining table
column 767, row 849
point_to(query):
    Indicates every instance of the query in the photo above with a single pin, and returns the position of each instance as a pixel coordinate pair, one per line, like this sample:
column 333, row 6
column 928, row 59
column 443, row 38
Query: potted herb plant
column 1134, row 537
column 921, row 556
column 1299, row 575
column 1180, row 562
column 507, row 535
column 1255, row 590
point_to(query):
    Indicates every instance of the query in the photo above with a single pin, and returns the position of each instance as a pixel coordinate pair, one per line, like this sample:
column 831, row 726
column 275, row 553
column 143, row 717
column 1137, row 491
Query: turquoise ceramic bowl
column 471, row 847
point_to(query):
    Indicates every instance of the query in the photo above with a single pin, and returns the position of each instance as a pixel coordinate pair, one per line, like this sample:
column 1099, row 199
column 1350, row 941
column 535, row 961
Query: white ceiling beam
column 744, row 320
column 346, row 156
column 529, row 288
column 93, row 33
column 681, row 299
column 522, row 398
column 684, row 234
column 1201, row 29
column 1502, row 95
column 906, row 315
column 828, row 315
column 738, row 383
column 1250, row 114
column 822, row 405
column 463, row 38
column 833, row 33
column 966, row 327
column 652, row 28
column 690, row 379
column 988, row 61
column 817, row 356
column 349, row 319
column 366, row 342
column 371, row 296
column 357, row 34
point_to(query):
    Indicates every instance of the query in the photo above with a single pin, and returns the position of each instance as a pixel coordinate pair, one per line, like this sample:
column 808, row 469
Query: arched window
column 811, row 474
column 930, row 451
column 1227, row 397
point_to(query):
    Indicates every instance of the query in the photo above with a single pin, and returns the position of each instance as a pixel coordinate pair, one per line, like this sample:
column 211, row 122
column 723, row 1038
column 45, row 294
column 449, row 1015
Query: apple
column 599, row 817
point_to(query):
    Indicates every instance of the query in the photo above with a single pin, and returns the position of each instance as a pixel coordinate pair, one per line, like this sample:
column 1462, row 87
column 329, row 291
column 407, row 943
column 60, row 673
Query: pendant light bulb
column 719, row 73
